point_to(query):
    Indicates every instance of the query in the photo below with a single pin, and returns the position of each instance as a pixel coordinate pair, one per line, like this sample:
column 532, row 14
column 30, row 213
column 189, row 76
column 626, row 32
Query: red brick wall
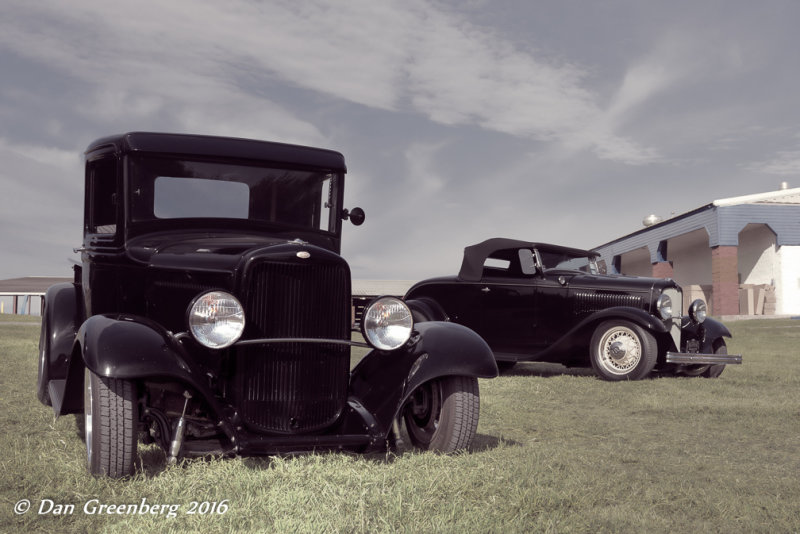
column 663, row 269
column 725, row 280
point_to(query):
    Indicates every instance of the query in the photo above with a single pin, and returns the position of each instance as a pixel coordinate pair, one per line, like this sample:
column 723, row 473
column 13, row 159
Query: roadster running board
column 703, row 359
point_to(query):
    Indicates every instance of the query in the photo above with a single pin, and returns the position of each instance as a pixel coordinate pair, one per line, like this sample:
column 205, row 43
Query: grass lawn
column 557, row 451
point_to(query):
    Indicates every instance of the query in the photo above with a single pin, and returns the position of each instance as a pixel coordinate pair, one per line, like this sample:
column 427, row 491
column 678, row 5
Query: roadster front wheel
column 110, row 425
column 621, row 350
column 442, row 414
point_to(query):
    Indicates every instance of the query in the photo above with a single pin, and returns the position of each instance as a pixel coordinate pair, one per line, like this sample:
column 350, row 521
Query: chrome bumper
column 703, row 359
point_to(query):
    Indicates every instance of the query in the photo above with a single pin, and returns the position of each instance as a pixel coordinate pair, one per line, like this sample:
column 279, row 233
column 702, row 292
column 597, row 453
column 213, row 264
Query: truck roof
column 226, row 147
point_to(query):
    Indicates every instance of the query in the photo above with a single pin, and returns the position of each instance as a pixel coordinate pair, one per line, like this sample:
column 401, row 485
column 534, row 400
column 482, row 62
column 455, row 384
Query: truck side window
column 102, row 174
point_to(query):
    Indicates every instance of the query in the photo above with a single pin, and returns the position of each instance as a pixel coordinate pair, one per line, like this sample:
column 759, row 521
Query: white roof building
column 743, row 253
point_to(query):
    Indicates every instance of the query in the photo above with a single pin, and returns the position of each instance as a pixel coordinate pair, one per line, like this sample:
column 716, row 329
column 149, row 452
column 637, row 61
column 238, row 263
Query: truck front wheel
column 442, row 414
column 110, row 425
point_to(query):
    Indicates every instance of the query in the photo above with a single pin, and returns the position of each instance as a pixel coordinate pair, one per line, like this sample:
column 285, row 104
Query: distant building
column 25, row 296
column 741, row 254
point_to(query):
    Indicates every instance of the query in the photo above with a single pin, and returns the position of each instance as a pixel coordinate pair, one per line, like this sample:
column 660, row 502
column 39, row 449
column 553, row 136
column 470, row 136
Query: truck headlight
column 216, row 319
column 664, row 306
column 698, row 311
column 387, row 323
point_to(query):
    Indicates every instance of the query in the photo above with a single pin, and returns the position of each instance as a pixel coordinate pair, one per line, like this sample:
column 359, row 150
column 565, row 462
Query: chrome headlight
column 387, row 323
column 664, row 306
column 216, row 319
column 698, row 311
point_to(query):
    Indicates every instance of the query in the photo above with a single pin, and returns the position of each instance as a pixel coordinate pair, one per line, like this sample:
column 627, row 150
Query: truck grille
column 295, row 387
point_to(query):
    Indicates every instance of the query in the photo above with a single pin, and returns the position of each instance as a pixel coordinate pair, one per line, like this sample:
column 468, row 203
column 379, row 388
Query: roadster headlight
column 387, row 323
column 698, row 311
column 664, row 306
column 216, row 319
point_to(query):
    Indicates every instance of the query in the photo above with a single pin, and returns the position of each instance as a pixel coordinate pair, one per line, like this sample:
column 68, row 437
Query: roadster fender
column 382, row 382
column 635, row 315
column 573, row 338
column 707, row 332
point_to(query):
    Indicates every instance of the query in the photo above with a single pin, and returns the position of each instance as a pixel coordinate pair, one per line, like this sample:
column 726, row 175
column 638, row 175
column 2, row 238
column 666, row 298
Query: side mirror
column 356, row 216
column 527, row 261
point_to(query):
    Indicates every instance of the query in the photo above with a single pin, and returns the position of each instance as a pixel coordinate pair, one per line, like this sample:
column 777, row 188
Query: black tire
column 505, row 366
column 442, row 414
column 621, row 350
column 714, row 371
column 43, row 374
column 707, row 371
column 419, row 316
column 110, row 425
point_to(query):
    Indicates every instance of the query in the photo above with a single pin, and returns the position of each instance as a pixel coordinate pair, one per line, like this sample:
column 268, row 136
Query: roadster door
column 504, row 315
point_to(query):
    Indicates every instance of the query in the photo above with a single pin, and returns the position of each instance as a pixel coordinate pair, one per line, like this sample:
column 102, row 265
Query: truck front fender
column 131, row 347
column 383, row 381
column 126, row 347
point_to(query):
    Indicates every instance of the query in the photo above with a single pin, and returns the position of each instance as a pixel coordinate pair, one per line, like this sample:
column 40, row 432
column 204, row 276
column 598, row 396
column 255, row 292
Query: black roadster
column 539, row 302
column 211, row 314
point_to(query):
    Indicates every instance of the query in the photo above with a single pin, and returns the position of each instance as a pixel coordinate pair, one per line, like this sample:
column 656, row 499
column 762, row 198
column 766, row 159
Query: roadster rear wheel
column 621, row 350
column 442, row 414
column 110, row 425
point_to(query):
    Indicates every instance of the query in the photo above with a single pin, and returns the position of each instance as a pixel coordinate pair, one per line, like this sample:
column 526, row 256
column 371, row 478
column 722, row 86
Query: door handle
column 485, row 290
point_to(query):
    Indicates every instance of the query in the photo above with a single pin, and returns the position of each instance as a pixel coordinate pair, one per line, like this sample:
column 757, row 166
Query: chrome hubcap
column 620, row 350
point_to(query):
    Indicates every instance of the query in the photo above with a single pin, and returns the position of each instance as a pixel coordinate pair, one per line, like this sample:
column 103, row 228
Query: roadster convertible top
column 475, row 255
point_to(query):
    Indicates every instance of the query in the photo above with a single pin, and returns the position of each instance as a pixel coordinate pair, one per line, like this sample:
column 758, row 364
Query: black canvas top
column 475, row 255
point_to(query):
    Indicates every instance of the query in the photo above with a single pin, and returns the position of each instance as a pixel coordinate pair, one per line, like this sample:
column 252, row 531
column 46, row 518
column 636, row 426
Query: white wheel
column 621, row 350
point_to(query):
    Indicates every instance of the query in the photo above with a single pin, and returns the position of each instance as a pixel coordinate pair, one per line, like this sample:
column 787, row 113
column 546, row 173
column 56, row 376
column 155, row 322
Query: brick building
column 741, row 254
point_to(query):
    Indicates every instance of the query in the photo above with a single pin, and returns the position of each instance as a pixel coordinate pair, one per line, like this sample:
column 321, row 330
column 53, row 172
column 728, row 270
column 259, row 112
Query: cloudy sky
column 559, row 121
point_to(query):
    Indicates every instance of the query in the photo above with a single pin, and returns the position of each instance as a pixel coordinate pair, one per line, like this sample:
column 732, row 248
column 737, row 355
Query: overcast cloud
column 564, row 122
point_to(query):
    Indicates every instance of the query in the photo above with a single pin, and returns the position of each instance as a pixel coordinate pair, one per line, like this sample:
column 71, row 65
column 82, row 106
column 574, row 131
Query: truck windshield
column 165, row 188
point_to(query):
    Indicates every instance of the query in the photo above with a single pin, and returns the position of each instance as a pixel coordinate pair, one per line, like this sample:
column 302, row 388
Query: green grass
column 12, row 318
column 557, row 451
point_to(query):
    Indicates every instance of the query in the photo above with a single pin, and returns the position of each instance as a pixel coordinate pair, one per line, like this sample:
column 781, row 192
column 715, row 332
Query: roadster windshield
column 568, row 262
column 166, row 188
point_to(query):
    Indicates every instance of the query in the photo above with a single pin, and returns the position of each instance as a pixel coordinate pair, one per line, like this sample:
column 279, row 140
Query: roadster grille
column 295, row 387
column 590, row 302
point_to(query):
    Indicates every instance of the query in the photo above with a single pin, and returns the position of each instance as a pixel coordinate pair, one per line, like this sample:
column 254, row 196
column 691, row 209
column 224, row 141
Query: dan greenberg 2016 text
column 95, row 507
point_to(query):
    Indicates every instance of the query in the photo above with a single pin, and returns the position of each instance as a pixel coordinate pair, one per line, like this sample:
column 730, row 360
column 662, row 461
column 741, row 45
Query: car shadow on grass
column 481, row 443
column 550, row 370
column 152, row 460
column 546, row 370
